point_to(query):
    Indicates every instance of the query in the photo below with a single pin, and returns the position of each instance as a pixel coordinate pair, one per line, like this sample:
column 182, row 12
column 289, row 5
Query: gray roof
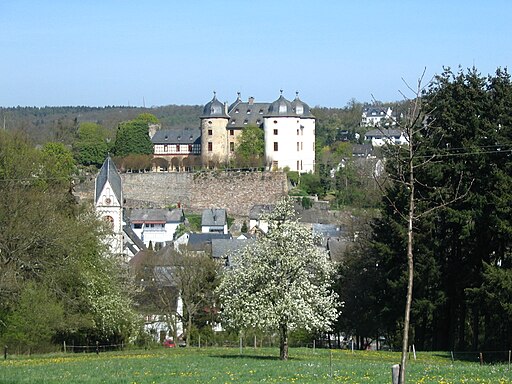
column 380, row 133
column 246, row 113
column 260, row 209
column 362, row 150
column 375, row 111
column 134, row 238
column 156, row 215
column 177, row 136
column 214, row 109
column 327, row 230
column 222, row 247
column 281, row 108
column 108, row 172
column 202, row 241
column 214, row 217
column 297, row 103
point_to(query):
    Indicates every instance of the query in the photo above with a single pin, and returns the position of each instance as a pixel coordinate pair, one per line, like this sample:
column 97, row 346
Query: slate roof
column 134, row 238
column 362, row 150
column 380, row 133
column 214, row 217
column 245, row 113
column 202, row 241
column 222, row 247
column 108, row 172
column 214, row 109
column 177, row 136
column 155, row 215
column 327, row 230
column 260, row 209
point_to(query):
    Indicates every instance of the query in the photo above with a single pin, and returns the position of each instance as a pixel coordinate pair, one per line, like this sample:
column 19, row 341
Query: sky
column 156, row 52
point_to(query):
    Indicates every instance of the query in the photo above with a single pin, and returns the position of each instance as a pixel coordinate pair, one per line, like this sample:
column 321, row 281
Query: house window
column 297, row 165
column 137, row 226
column 177, row 147
column 276, row 146
column 166, row 148
column 297, row 146
column 297, row 132
column 210, row 146
column 231, row 132
column 190, row 147
column 275, row 131
column 232, row 147
column 210, row 132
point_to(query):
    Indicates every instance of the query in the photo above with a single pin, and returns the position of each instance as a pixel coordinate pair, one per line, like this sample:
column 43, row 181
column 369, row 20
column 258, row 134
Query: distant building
column 380, row 137
column 108, row 203
column 176, row 149
column 377, row 116
column 155, row 225
column 214, row 221
column 289, row 131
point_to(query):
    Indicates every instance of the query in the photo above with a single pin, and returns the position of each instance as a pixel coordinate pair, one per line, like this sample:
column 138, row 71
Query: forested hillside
column 61, row 123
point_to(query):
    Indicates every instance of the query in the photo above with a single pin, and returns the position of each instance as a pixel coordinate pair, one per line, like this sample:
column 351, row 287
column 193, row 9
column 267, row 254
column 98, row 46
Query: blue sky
column 97, row 53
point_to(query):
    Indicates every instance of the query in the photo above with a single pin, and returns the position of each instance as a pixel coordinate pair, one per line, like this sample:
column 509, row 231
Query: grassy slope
column 223, row 365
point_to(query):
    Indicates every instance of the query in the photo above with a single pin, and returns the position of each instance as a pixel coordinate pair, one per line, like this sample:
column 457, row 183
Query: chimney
column 251, row 100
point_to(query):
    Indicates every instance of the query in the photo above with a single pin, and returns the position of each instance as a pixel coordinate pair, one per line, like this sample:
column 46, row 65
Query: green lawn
column 225, row 365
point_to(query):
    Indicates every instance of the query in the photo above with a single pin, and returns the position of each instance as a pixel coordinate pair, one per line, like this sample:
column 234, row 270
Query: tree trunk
column 283, row 342
column 189, row 329
column 410, row 266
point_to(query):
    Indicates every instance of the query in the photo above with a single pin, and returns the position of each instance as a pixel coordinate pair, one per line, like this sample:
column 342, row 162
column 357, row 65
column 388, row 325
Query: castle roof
column 281, row 108
column 215, row 109
column 177, row 136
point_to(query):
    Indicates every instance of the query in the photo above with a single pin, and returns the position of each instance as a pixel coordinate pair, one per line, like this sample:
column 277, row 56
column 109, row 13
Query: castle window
column 248, row 111
column 177, row 147
column 261, row 112
column 233, row 122
column 232, row 147
column 210, row 146
column 276, row 146
column 210, row 132
column 275, row 131
column 166, row 148
column 246, row 121
column 297, row 132
column 237, row 111
column 300, row 110
column 231, row 132
column 282, row 108
column 190, row 147
column 297, row 146
column 275, row 121
column 258, row 121
column 209, row 121
column 297, row 165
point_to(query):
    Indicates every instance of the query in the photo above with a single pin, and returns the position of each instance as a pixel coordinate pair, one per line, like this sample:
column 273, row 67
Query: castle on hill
column 288, row 126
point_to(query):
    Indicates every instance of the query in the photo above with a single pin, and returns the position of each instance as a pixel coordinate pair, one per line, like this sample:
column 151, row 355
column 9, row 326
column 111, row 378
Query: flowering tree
column 281, row 282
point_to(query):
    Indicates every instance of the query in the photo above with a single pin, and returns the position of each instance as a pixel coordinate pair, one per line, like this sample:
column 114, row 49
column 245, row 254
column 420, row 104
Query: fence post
column 5, row 352
column 395, row 373
column 481, row 358
column 509, row 353
column 199, row 341
column 453, row 360
column 97, row 347
column 255, row 342
column 64, row 343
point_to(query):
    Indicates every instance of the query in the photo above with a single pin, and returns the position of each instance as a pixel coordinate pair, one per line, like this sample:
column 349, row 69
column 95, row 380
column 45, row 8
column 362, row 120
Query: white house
column 375, row 116
column 214, row 221
column 380, row 137
column 256, row 219
column 155, row 225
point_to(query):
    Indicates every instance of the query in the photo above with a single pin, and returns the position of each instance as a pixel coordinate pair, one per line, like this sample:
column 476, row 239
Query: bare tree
column 408, row 160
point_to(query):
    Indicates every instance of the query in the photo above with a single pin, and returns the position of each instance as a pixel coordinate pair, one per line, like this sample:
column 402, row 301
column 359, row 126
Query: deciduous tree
column 280, row 283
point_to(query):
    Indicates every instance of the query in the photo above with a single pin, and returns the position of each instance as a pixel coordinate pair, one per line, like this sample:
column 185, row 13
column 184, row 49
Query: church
column 288, row 126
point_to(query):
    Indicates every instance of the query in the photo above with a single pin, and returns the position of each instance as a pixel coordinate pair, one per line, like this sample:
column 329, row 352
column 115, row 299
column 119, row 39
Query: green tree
column 281, row 283
column 58, row 160
column 91, row 146
column 250, row 149
column 133, row 138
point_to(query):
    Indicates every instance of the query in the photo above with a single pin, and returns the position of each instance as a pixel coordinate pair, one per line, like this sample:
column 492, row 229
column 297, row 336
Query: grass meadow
column 227, row 365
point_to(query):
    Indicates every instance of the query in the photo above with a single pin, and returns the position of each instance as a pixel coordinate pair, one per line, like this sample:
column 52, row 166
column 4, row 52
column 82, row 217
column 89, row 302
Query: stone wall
column 235, row 191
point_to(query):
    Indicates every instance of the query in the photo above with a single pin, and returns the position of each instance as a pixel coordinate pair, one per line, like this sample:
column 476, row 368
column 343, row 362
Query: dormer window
column 300, row 109
column 237, row 110
column 282, row 108
column 246, row 121
column 233, row 122
column 261, row 112
column 248, row 111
